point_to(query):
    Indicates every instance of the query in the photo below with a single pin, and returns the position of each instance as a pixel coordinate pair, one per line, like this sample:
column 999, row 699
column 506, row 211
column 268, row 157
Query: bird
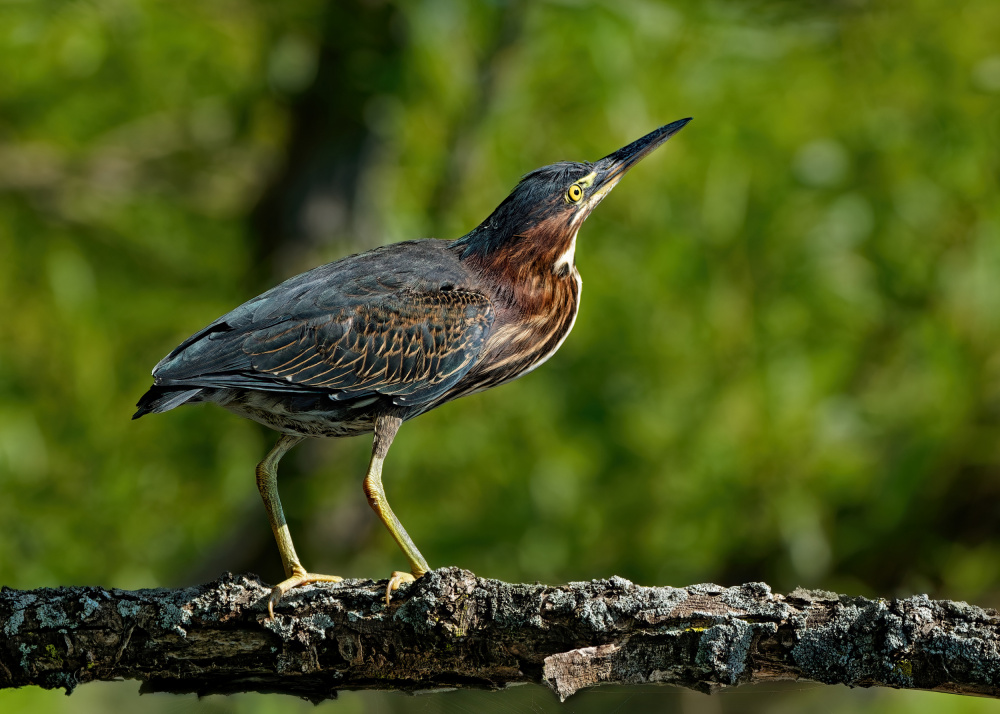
column 367, row 342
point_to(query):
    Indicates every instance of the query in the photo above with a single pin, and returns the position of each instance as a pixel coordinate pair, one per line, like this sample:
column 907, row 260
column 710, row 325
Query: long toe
column 295, row 581
column 397, row 578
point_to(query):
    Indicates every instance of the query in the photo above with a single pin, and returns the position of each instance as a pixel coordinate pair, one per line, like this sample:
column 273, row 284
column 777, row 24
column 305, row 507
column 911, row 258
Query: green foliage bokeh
column 786, row 364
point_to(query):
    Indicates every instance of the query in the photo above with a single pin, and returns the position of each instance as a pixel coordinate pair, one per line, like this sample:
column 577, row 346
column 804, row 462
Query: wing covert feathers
column 412, row 348
column 410, row 345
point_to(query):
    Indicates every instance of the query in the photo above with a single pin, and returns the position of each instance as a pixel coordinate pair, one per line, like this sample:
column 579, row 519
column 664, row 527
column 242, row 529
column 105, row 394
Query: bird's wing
column 409, row 345
column 412, row 347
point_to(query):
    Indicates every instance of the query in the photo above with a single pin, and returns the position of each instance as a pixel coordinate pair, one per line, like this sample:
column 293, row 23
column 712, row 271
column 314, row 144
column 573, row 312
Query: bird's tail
column 160, row 399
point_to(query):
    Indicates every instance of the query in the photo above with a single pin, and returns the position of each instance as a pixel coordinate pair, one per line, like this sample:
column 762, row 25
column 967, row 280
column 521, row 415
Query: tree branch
column 451, row 629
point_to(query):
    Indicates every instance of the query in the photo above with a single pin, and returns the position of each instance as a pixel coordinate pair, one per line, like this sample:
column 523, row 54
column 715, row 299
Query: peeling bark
column 451, row 629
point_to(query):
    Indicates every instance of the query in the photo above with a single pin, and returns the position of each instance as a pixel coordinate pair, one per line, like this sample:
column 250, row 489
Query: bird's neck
column 534, row 286
column 526, row 268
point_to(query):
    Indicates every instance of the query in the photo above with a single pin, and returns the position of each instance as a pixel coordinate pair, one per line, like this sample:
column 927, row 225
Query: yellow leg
column 385, row 432
column 267, row 483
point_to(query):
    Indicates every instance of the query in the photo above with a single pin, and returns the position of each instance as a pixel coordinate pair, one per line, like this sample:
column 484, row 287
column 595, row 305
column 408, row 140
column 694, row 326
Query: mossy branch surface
column 451, row 629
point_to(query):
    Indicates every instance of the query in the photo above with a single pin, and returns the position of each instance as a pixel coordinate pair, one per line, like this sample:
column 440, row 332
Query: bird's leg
column 385, row 430
column 267, row 483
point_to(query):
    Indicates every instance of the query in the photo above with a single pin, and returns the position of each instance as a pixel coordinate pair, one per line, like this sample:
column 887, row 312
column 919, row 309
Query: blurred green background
column 786, row 365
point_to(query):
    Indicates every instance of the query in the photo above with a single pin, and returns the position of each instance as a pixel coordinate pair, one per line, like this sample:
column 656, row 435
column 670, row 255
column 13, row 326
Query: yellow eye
column 574, row 194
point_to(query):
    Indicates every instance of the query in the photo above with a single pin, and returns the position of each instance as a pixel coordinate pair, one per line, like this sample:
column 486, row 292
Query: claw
column 297, row 579
column 397, row 578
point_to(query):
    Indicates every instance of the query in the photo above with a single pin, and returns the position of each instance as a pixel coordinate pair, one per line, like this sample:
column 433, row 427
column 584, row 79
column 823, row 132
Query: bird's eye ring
column 574, row 194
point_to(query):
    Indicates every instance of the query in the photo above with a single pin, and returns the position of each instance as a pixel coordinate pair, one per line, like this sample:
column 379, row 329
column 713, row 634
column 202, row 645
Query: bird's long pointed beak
column 609, row 170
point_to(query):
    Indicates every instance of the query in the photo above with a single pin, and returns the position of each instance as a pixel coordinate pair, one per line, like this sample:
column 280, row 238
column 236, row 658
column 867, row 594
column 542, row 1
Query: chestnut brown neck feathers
column 531, row 266
column 524, row 253
column 535, row 289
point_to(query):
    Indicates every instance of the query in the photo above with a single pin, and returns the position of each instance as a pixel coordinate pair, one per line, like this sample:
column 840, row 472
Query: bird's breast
column 531, row 325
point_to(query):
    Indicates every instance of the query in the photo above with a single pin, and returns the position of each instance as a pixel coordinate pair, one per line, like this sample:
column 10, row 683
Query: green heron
column 364, row 343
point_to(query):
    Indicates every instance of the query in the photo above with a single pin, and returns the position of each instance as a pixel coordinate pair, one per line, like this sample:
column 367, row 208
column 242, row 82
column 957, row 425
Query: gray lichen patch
column 969, row 647
column 604, row 605
column 333, row 596
column 52, row 616
column 916, row 642
column 281, row 625
column 206, row 607
column 19, row 600
column 755, row 600
column 128, row 608
column 418, row 613
column 617, row 582
column 13, row 624
column 648, row 605
column 856, row 646
column 595, row 615
column 317, row 624
column 356, row 616
column 709, row 589
column 726, row 649
column 511, row 606
column 451, row 600
column 26, row 650
column 558, row 602
column 803, row 595
column 89, row 605
column 302, row 632
column 172, row 618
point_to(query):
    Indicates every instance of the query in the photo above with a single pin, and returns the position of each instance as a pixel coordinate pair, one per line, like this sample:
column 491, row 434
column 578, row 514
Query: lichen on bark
column 451, row 629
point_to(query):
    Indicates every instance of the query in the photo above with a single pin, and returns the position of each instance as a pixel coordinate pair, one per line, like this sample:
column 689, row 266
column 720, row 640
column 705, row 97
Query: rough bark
column 452, row 629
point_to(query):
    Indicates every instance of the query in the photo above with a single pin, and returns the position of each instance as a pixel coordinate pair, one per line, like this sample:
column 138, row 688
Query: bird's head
column 539, row 220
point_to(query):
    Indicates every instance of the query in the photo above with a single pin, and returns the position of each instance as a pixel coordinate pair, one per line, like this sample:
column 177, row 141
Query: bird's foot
column 397, row 578
column 298, row 578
